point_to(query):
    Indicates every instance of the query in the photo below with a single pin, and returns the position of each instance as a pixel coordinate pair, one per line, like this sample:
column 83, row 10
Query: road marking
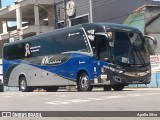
column 135, row 95
column 67, row 102
column 7, row 96
column 101, row 98
column 97, row 99
column 77, row 100
column 58, row 102
column 112, row 97
column 141, row 94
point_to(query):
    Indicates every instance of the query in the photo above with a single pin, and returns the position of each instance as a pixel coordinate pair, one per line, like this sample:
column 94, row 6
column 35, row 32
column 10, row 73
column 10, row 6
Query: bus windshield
column 130, row 48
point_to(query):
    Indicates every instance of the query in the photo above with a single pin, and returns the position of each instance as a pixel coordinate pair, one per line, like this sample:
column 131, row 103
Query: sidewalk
column 142, row 88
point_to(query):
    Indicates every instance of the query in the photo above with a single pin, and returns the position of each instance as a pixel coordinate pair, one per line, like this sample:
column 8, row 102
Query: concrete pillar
column 91, row 11
column 36, row 16
column 1, row 27
column 19, row 20
column 4, row 23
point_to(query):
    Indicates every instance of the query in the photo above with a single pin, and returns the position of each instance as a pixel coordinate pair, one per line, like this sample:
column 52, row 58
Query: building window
column 60, row 24
column 74, row 21
column 79, row 20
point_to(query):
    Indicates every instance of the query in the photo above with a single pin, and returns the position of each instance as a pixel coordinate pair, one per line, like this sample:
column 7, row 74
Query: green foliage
column 150, row 47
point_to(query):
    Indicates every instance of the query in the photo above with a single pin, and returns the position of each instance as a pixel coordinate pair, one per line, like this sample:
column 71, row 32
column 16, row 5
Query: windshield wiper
column 139, row 55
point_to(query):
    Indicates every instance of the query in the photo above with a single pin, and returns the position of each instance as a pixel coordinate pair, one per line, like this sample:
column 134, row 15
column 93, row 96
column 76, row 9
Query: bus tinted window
column 48, row 44
column 77, row 41
column 62, row 42
column 14, row 51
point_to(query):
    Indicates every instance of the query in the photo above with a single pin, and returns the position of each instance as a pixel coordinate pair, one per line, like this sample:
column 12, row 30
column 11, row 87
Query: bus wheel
column 51, row 88
column 118, row 87
column 84, row 83
column 107, row 88
column 23, row 85
column 2, row 88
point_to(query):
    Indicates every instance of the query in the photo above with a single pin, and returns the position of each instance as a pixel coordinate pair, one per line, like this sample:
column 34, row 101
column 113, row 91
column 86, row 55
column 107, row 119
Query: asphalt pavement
column 62, row 104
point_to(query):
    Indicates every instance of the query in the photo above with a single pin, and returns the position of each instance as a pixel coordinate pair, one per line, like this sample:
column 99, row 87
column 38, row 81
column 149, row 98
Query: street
column 142, row 99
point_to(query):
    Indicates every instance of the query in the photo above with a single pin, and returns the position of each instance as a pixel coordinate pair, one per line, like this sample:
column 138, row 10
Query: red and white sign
column 154, row 59
column 155, row 62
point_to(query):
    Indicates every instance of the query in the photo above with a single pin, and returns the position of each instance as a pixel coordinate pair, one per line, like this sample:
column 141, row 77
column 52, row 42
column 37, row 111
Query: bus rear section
column 49, row 61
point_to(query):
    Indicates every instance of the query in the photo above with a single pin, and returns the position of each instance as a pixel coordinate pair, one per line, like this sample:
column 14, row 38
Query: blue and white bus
column 87, row 55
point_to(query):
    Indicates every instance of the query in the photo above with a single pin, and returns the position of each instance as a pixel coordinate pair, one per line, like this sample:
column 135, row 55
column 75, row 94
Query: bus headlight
column 118, row 70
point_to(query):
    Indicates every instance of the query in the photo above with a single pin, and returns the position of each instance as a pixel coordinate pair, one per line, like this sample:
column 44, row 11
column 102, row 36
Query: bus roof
column 94, row 25
column 112, row 26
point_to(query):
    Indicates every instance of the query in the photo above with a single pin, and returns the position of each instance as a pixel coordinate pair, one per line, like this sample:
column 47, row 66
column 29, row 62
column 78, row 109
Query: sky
column 7, row 2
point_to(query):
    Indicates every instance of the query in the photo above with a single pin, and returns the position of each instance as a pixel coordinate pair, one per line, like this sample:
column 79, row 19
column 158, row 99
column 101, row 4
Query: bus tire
column 107, row 88
column 2, row 89
column 84, row 83
column 51, row 88
column 118, row 87
column 23, row 85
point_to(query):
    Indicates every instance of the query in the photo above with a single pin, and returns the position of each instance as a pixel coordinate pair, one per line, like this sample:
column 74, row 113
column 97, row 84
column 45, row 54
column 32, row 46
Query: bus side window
column 76, row 41
column 102, row 49
column 14, row 52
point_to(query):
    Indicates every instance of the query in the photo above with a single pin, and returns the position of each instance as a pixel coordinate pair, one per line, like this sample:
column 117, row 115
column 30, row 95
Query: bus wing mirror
column 104, row 34
column 106, row 59
column 154, row 41
column 111, row 44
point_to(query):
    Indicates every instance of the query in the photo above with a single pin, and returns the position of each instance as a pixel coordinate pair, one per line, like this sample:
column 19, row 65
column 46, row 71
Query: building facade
column 115, row 11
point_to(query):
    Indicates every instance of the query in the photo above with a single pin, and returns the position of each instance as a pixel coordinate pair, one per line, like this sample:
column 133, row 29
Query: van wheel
column 107, row 88
column 84, row 83
column 118, row 87
column 23, row 85
column 51, row 88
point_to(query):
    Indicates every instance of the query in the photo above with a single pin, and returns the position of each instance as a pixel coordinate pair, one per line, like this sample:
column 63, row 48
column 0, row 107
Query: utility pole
column 91, row 11
column 0, row 3
column 65, row 15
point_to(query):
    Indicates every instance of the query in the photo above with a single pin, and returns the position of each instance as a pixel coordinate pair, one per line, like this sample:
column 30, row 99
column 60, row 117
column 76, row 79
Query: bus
column 89, row 55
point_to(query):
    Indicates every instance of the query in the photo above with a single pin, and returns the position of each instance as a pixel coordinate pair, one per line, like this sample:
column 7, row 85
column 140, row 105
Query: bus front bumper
column 132, row 78
column 125, row 78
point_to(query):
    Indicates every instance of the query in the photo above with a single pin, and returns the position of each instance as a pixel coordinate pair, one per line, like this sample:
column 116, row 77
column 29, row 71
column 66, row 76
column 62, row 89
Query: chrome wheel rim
column 84, row 82
column 23, row 85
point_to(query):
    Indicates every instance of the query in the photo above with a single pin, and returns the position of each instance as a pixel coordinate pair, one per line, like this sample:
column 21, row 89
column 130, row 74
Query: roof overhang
column 27, row 9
